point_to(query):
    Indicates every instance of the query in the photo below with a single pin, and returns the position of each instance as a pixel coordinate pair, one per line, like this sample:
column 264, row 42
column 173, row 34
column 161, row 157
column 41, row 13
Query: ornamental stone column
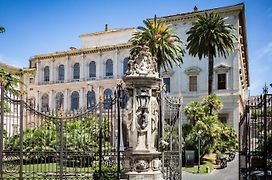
column 141, row 122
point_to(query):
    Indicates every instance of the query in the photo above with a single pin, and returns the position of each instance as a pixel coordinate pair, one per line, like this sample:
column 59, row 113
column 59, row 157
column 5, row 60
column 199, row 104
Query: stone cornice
column 193, row 14
column 108, row 31
column 244, row 36
column 221, row 68
column 76, row 52
column 193, row 71
column 166, row 74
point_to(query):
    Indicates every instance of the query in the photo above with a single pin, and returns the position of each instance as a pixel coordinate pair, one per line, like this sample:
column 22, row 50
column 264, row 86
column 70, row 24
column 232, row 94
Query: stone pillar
column 99, row 66
column 116, row 67
column 52, row 70
column 82, row 97
column 52, row 100
column 67, row 68
column 38, row 100
column 66, row 100
column 142, row 83
column 38, row 72
column 82, row 67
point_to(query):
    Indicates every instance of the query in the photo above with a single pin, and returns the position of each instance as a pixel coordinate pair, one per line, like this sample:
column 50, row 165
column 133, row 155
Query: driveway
column 229, row 173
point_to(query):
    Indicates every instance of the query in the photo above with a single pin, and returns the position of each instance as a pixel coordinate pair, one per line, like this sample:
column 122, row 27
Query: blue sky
column 42, row 26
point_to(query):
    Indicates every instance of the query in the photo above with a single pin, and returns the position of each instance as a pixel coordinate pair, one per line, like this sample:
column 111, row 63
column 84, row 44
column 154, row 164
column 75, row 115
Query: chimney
column 106, row 27
column 195, row 9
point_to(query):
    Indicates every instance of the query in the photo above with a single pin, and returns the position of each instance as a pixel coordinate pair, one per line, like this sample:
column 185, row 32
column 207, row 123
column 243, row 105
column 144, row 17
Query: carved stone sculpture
column 142, row 116
column 142, row 64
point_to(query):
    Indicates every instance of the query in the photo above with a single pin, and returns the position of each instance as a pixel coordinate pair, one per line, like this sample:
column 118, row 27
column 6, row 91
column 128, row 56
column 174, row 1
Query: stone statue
column 154, row 120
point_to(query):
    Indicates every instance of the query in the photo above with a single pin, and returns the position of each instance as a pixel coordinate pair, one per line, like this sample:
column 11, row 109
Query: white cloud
column 265, row 51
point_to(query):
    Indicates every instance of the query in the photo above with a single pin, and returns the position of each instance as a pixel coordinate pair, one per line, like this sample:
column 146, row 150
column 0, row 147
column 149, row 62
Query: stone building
column 74, row 79
column 11, row 111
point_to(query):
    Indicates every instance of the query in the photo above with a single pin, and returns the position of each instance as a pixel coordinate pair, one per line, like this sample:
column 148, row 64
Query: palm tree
column 2, row 29
column 11, row 81
column 162, row 42
column 208, row 37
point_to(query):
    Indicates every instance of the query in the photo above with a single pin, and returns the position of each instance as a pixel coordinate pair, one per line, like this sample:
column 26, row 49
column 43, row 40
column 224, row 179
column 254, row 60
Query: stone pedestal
column 143, row 165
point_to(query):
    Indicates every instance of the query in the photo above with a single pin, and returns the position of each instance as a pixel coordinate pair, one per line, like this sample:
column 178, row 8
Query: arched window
column 45, row 102
column 125, row 65
column 107, row 98
column 109, row 68
column 92, row 69
column 59, row 100
column 61, row 72
column 91, row 101
column 46, row 73
column 76, row 72
column 74, row 100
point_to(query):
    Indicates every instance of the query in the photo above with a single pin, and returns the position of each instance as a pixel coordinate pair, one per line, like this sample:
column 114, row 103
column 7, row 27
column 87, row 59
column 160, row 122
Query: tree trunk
column 210, row 77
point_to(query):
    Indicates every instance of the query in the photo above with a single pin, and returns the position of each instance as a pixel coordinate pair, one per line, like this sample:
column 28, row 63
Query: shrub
column 80, row 142
column 107, row 172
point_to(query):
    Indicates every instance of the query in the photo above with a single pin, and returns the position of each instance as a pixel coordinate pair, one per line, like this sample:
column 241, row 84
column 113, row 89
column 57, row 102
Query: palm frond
column 165, row 45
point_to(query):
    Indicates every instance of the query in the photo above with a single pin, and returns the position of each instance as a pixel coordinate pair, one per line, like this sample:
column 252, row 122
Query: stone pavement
column 229, row 173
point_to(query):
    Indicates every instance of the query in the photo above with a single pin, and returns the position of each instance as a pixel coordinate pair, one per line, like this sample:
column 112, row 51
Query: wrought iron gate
column 255, row 138
column 55, row 145
column 171, row 145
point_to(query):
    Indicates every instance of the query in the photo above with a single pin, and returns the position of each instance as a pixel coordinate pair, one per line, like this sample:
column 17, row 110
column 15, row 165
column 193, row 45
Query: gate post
column 61, row 148
column 1, row 130
column 21, row 136
column 118, row 129
column 143, row 84
column 265, row 134
column 100, row 136
column 180, row 140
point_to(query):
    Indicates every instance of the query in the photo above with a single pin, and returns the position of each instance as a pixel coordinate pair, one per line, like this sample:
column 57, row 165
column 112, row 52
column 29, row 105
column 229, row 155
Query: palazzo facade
column 76, row 78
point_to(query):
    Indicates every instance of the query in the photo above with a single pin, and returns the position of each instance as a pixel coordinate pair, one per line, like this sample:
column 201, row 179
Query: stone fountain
column 142, row 115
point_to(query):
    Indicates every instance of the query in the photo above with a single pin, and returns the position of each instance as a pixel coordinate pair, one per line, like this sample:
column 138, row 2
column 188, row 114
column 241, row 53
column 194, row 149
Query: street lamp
column 143, row 99
column 198, row 136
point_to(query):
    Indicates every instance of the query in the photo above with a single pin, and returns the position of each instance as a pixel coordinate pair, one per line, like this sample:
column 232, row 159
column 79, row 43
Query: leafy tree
column 213, row 104
column 228, row 138
column 162, row 42
column 194, row 112
column 210, row 36
column 210, row 133
column 214, row 135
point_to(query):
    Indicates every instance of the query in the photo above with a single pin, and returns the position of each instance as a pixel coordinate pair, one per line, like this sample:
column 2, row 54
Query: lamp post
column 198, row 136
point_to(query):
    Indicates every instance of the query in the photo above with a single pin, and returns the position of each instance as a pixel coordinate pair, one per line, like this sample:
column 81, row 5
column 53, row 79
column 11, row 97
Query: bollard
column 207, row 169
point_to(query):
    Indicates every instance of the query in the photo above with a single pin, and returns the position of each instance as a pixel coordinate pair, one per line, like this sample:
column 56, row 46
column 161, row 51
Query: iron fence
column 255, row 139
column 53, row 145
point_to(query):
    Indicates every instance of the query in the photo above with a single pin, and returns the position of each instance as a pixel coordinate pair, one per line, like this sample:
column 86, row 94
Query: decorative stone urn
column 141, row 122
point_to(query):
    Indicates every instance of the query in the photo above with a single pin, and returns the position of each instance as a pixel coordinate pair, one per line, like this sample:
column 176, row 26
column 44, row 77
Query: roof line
column 107, row 31
column 239, row 6
column 79, row 51
column 10, row 67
